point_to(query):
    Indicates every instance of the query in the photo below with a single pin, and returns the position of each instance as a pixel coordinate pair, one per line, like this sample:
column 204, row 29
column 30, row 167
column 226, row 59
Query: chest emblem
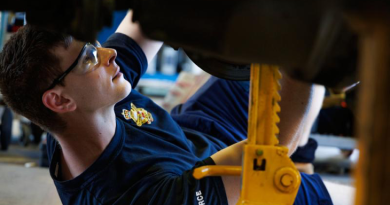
column 139, row 115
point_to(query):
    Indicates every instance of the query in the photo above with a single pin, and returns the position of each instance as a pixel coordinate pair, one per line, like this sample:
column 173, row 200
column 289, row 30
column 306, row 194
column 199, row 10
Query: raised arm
column 297, row 102
column 300, row 105
column 133, row 30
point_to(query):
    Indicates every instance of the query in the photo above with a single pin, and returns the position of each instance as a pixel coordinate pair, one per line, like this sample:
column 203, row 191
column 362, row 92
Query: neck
column 86, row 137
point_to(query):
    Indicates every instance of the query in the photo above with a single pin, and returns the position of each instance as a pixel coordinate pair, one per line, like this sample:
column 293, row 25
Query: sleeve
column 312, row 191
column 130, row 57
column 219, row 108
column 183, row 189
column 305, row 153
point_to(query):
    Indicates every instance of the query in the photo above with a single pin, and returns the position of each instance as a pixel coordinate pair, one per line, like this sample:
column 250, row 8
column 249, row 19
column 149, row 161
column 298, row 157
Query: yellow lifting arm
column 268, row 174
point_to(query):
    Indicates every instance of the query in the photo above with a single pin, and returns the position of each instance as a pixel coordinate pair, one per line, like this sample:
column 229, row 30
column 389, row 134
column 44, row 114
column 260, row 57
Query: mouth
column 117, row 73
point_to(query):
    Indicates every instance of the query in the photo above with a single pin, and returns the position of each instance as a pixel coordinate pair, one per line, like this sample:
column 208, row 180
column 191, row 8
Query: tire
column 221, row 69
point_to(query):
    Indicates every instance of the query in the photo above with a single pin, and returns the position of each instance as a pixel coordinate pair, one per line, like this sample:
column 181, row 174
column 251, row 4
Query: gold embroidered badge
column 139, row 115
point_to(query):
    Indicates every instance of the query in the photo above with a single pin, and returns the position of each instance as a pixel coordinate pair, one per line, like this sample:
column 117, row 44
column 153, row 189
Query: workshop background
column 171, row 78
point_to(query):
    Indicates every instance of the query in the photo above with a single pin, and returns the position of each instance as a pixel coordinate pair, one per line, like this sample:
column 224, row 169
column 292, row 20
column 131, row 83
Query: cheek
column 98, row 76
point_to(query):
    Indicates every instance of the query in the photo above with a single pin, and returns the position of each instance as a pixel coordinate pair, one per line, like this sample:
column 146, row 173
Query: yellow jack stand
column 268, row 174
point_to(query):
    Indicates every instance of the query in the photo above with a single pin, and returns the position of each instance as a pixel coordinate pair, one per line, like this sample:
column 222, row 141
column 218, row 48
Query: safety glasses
column 85, row 62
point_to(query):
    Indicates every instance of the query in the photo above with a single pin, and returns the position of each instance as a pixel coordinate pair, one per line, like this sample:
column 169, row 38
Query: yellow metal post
column 263, row 105
column 269, row 176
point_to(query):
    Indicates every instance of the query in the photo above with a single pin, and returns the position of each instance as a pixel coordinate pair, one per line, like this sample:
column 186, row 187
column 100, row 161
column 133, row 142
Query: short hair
column 28, row 66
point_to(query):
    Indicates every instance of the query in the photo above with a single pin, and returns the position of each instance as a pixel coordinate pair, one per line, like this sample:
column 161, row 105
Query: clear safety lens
column 97, row 44
column 88, row 60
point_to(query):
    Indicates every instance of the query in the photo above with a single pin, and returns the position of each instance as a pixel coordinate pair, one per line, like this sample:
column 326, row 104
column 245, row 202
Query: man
column 111, row 145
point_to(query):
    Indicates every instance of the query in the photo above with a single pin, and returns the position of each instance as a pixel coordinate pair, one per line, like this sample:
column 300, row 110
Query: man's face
column 101, row 86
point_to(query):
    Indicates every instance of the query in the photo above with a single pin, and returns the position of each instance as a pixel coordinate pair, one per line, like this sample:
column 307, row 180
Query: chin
column 125, row 90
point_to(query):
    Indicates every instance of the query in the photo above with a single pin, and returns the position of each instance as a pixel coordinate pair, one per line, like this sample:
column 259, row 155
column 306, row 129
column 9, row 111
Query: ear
column 55, row 101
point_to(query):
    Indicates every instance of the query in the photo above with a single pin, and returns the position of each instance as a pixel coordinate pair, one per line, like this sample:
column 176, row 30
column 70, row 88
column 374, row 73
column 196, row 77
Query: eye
column 90, row 55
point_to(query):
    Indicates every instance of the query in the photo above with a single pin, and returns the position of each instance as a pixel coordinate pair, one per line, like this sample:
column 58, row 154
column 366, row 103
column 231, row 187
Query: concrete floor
column 19, row 155
column 26, row 186
column 22, row 182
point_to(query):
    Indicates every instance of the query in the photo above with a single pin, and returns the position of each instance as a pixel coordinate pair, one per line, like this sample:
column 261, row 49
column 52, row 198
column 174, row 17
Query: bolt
column 259, row 152
column 287, row 180
column 281, row 152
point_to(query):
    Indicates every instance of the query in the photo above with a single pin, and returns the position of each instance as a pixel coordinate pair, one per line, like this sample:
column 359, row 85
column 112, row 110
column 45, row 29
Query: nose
column 108, row 57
